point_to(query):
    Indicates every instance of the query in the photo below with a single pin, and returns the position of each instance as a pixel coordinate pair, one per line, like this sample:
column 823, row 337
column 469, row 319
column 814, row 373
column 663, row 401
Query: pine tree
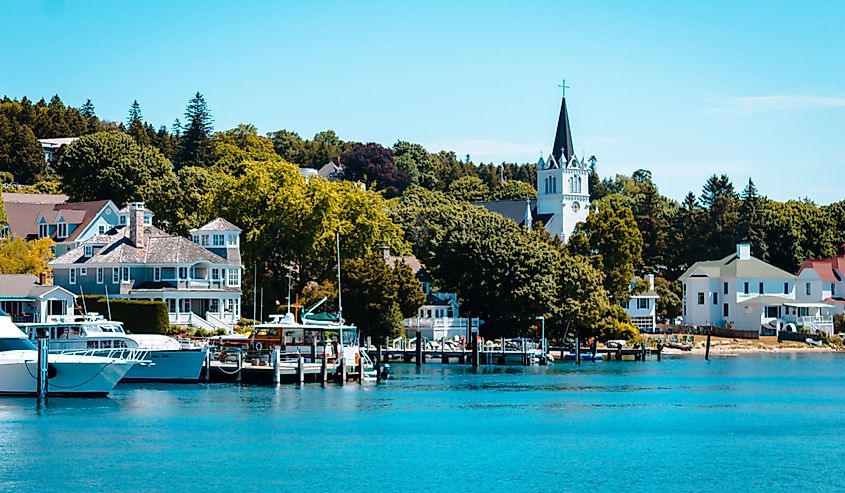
column 134, row 113
column 136, row 127
column 750, row 228
column 194, row 149
column 722, row 204
column 87, row 109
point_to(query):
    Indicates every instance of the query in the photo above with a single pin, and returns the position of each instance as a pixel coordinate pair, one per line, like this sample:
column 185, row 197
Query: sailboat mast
column 339, row 298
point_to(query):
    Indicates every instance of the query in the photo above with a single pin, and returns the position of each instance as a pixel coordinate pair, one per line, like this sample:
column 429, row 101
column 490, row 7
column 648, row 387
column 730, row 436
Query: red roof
column 829, row 269
column 23, row 216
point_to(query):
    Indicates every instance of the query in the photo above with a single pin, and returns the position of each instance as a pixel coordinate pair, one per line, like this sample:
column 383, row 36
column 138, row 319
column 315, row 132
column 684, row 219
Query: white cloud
column 756, row 104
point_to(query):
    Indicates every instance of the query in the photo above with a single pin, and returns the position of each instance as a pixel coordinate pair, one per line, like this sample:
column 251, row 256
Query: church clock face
column 576, row 207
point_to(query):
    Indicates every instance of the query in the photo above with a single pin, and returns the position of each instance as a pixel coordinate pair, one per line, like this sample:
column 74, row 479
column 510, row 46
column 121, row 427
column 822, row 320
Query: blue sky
column 685, row 89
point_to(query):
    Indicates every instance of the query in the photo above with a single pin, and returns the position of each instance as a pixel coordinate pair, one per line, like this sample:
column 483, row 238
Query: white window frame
column 101, row 229
column 156, row 274
column 218, row 240
column 124, row 275
column 100, row 275
column 71, row 275
column 148, row 220
column 196, row 239
column 233, row 278
column 115, row 275
column 184, row 305
column 203, row 240
column 83, row 272
column 61, row 230
column 215, row 274
column 179, row 273
column 232, row 240
column 89, row 251
column 43, row 230
column 642, row 303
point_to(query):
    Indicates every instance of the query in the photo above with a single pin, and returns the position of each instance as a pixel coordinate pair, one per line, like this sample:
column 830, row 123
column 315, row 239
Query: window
column 642, row 303
column 156, row 274
column 809, row 288
column 232, row 240
column 115, row 275
column 83, row 271
column 234, row 277
column 61, row 230
column 43, row 230
column 745, row 288
column 71, row 276
column 725, row 310
column 204, row 240
column 218, row 240
column 125, row 277
column 214, row 306
column 760, row 288
column 89, row 250
column 184, row 306
column 101, row 229
column 148, row 220
column 786, row 288
column 700, row 298
column 715, row 297
column 123, row 219
column 171, row 305
column 183, row 272
column 725, row 287
column 196, row 239
column 99, row 275
column 215, row 275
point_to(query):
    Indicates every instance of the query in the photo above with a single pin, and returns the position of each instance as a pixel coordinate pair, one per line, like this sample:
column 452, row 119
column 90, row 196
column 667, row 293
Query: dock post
column 594, row 348
column 208, row 365
column 503, row 350
column 642, row 358
column 314, row 351
column 324, row 370
column 659, row 350
column 707, row 348
column 240, row 364
column 444, row 358
column 360, row 370
column 419, row 348
column 577, row 351
column 619, row 353
column 378, row 364
column 474, row 350
column 277, row 367
column 300, row 368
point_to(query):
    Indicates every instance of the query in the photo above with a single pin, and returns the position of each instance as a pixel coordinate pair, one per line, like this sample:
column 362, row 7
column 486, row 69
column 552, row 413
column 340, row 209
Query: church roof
column 563, row 136
column 515, row 210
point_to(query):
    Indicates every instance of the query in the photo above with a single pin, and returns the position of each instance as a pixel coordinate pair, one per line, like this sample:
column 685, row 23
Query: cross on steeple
column 563, row 87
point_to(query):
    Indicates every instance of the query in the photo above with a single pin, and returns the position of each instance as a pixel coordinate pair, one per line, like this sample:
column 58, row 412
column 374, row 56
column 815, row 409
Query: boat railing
column 127, row 354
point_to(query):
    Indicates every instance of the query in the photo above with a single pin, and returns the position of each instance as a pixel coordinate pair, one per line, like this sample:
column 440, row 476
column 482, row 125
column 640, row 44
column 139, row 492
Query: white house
column 25, row 298
column 642, row 307
column 199, row 280
column 52, row 146
column 563, row 190
column 743, row 293
column 823, row 280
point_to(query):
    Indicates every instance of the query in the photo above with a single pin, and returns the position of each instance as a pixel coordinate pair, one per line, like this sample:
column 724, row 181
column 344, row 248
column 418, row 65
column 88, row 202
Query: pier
column 274, row 366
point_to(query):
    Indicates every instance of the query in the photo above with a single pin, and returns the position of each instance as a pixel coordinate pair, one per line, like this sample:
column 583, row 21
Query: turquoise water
column 751, row 423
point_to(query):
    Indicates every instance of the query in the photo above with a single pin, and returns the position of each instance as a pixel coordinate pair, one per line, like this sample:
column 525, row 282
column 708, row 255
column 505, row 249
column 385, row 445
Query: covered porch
column 773, row 315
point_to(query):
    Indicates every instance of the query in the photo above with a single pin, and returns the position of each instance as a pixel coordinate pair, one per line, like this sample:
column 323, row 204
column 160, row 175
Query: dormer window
column 43, row 230
column 217, row 240
column 89, row 250
column 101, row 229
column 61, row 230
column 148, row 219
column 123, row 219
column 204, row 240
column 196, row 239
column 232, row 240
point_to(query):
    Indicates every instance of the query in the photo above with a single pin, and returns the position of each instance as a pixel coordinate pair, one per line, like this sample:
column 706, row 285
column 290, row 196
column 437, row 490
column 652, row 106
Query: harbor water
column 758, row 422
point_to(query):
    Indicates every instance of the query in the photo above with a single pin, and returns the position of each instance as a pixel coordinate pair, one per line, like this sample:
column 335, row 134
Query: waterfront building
column 69, row 224
column 199, row 280
column 745, row 294
column 824, row 280
column 642, row 305
column 27, row 298
column 563, row 190
column 439, row 316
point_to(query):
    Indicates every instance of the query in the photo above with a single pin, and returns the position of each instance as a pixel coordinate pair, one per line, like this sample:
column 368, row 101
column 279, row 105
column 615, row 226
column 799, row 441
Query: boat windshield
column 16, row 345
column 107, row 328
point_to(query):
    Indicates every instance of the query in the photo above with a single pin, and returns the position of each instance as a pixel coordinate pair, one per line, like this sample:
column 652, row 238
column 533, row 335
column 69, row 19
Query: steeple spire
column 562, row 148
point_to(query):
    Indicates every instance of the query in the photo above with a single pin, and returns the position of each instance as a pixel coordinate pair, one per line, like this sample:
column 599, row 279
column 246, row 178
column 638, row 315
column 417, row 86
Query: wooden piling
column 324, row 369
column 314, row 351
column 360, row 370
column 659, row 350
column 300, row 369
column 419, row 349
column 342, row 371
column 619, row 353
column 707, row 348
column 208, row 365
column 378, row 364
column 474, row 350
column 642, row 358
column 240, row 365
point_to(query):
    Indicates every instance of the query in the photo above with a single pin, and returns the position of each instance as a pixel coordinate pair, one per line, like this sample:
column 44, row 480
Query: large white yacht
column 169, row 360
column 68, row 374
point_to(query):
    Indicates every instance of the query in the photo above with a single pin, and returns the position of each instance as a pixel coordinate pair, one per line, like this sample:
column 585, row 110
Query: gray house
column 200, row 280
column 25, row 298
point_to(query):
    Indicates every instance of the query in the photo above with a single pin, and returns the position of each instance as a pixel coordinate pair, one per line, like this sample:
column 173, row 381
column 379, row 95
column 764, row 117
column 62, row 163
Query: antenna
column 289, row 278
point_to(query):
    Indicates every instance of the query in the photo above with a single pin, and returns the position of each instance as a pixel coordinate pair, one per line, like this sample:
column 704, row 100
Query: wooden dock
column 274, row 367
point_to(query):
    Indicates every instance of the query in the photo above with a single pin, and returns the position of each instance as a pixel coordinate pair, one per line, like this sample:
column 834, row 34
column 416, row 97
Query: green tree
column 195, row 143
column 470, row 189
column 669, row 304
column 112, row 165
column 135, row 125
column 750, row 227
column 409, row 293
column 416, row 163
column 20, row 152
column 722, row 205
column 290, row 146
column 513, row 190
column 650, row 211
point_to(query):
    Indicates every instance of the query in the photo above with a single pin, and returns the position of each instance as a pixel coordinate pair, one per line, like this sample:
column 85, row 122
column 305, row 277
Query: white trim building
column 642, row 307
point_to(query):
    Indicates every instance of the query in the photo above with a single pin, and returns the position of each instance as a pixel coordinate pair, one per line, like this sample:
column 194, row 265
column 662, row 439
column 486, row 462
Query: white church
column 563, row 191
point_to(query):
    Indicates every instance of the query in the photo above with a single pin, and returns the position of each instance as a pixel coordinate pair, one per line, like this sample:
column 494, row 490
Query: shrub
column 137, row 316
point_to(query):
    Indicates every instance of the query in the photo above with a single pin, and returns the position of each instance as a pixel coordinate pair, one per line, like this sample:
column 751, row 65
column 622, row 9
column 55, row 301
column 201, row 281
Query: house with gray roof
column 642, row 305
column 746, row 294
column 199, row 280
column 27, row 298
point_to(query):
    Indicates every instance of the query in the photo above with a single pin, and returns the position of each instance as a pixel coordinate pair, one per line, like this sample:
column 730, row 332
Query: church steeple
column 562, row 148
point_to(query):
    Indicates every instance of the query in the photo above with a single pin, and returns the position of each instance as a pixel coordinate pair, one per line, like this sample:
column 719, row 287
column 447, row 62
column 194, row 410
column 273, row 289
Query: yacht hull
column 69, row 375
column 182, row 365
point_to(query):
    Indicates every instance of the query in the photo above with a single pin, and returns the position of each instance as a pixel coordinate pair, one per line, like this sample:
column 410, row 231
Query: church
column 563, row 190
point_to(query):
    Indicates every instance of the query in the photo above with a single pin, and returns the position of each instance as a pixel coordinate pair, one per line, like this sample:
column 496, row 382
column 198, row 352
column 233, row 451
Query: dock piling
column 240, row 365
column 360, row 370
column 474, row 350
column 208, row 365
column 707, row 348
column 277, row 366
column 444, row 358
column 300, row 369
column 419, row 349
column 642, row 357
column 324, row 369
column 577, row 351
column 342, row 371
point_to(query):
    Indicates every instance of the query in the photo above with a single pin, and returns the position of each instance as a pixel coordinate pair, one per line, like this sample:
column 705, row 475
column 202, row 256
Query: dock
column 274, row 366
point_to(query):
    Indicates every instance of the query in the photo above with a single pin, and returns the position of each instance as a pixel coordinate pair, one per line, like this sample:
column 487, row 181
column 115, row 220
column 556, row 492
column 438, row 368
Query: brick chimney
column 136, row 223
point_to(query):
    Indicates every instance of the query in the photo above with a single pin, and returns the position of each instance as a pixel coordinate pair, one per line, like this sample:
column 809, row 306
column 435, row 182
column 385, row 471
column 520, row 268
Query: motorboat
column 67, row 374
column 170, row 360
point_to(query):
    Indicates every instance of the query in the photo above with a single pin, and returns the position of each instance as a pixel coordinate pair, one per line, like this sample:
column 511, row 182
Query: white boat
column 170, row 360
column 68, row 374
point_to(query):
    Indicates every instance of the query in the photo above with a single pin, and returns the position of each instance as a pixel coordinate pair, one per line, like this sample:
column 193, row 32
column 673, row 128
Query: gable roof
column 24, row 286
column 24, row 215
column 218, row 224
column 732, row 266
column 829, row 269
column 515, row 210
